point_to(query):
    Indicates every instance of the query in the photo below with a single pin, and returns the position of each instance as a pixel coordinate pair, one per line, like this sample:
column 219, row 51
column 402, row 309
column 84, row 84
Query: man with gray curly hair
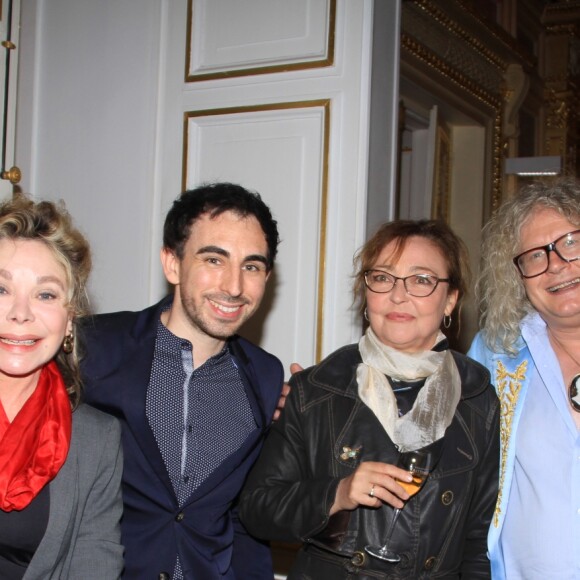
column 529, row 291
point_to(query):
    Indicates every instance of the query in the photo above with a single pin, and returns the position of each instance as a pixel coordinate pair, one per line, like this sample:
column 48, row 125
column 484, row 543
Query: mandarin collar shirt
column 545, row 493
column 199, row 417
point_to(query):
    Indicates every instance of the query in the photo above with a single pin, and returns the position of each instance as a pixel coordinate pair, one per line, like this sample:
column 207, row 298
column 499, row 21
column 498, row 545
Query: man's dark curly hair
column 215, row 199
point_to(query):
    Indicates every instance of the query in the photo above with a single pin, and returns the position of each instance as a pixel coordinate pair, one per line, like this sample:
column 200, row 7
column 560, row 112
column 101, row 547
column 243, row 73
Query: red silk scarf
column 34, row 446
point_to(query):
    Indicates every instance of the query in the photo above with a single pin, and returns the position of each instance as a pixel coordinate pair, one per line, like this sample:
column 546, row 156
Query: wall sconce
column 547, row 165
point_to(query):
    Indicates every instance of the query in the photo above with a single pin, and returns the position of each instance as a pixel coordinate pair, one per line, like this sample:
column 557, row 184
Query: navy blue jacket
column 206, row 533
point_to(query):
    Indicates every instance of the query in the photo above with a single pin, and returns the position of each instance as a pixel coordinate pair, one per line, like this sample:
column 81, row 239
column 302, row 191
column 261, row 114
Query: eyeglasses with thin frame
column 418, row 285
column 536, row 261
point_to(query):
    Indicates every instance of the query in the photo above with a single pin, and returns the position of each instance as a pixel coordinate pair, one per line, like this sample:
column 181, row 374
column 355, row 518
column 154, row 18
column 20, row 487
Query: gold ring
column 372, row 491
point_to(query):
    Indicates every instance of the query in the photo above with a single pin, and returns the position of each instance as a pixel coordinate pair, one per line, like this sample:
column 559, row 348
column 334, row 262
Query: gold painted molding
column 492, row 101
column 319, row 103
column 453, row 27
column 457, row 77
column 285, row 67
column 482, row 47
column 567, row 28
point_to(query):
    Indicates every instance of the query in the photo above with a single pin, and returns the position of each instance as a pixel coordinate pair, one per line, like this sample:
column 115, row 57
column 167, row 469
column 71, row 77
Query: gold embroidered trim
column 509, row 386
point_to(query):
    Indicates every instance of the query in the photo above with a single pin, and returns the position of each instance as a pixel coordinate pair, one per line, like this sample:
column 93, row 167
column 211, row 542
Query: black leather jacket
column 441, row 532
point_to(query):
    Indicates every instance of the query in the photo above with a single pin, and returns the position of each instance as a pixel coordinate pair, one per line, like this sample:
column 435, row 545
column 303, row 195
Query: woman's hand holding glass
column 418, row 464
column 372, row 484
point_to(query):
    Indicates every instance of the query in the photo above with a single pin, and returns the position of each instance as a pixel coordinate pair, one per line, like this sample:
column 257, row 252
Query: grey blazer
column 83, row 536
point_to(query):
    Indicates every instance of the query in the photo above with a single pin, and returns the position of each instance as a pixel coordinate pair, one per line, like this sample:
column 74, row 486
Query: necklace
column 574, row 387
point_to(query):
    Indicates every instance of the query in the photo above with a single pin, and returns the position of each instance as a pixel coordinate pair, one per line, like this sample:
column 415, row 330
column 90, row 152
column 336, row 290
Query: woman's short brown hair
column 437, row 232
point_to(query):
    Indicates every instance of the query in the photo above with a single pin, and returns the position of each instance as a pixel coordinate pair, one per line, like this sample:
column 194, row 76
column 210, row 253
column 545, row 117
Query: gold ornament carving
column 509, row 386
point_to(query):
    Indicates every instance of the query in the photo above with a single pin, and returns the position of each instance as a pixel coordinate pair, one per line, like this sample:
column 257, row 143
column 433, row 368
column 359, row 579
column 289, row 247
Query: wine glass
column 419, row 463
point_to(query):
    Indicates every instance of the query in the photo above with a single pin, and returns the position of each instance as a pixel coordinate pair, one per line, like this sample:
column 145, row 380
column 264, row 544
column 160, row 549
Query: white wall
column 86, row 129
column 467, row 191
column 384, row 115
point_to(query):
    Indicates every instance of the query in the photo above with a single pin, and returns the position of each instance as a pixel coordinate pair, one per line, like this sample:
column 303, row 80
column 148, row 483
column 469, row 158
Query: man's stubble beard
column 217, row 330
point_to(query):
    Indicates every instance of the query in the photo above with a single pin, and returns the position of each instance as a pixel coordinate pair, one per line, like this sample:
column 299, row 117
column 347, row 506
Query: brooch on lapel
column 350, row 453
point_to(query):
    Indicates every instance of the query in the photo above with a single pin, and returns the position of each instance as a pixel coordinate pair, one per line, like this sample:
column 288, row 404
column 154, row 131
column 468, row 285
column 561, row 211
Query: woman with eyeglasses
column 328, row 475
column 530, row 341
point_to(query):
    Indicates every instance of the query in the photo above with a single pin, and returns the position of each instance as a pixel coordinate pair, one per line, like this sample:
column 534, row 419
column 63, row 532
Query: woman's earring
column 68, row 343
column 446, row 321
column 366, row 315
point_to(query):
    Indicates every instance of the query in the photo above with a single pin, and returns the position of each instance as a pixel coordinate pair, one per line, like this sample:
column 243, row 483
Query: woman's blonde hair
column 51, row 224
column 500, row 289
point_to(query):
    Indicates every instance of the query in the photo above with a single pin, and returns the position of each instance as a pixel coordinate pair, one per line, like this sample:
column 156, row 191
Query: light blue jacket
column 511, row 378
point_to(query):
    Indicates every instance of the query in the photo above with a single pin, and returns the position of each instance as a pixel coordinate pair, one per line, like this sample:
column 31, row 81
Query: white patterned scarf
column 435, row 404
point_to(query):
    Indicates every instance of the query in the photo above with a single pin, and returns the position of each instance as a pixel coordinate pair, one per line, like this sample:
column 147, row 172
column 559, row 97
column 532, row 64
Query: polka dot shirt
column 198, row 417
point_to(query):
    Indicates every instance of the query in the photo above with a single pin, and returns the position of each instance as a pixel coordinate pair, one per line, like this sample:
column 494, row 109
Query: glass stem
column 385, row 548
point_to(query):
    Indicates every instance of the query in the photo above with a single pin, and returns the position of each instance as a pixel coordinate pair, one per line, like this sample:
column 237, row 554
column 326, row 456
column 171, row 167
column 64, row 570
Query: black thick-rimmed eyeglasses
column 536, row 261
column 419, row 285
